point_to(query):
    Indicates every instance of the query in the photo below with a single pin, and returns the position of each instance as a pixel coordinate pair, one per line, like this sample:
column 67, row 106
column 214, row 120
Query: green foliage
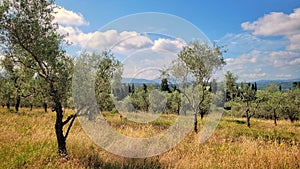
column 140, row 99
column 97, row 75
column 114, row 111
column 164, row 86
column 173, row 104
column 107, row 67
column 6, row 91
column 230, row 86
column 193, row 70
column 32, row 43
column 201, row 59
column 291, row 104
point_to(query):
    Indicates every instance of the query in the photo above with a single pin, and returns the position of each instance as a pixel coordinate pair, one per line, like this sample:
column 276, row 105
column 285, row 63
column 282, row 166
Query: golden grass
column 27, row 140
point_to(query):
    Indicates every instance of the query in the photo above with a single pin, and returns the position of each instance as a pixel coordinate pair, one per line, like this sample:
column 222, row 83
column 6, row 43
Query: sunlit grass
column 27, row 140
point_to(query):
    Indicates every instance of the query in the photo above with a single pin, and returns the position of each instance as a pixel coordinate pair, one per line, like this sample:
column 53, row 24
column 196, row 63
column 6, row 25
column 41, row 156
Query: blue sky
column 262, row 36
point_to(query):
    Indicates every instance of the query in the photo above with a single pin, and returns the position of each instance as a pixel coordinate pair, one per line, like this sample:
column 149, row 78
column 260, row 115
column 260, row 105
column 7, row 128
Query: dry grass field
column 27, row 140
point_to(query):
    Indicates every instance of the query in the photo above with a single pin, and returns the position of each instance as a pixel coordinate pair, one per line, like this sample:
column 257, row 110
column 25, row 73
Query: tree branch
column 69, row 118
column 31, row 53
column 69, row 128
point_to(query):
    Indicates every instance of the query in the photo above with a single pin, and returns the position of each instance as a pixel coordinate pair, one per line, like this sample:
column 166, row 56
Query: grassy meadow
column 27, row 140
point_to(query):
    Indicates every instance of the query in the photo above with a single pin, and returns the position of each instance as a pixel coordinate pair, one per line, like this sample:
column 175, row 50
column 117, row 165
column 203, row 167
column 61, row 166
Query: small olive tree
column 250, row 100
column 192, row 72
column 273, row 100
column 291, row 104
column 230, row 85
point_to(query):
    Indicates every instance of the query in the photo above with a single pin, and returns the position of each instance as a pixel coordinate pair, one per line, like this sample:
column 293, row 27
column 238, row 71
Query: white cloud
column 75, row 35
column 254, row 76
column 284, row 76
column 168, row 45
column 268, row 49
column 295, row 62
column 278, row 24
column 121, row 42
column 257, row 65
column 244, row 65
column 131, row 41
column 294, row 42
column 67, row 17
column 275, row 23
column 282, row 59
column 243, row 59
column 153, row 57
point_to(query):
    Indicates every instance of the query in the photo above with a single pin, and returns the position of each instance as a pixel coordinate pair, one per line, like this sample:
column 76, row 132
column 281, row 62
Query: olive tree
column 230, row 85
column 96, row 76
column 29, row 37
column 291, row 104
column 21, row 79
column 273, row 100
column 250, row 99
column 192, row 72
column 6, row 91
column 107, row 67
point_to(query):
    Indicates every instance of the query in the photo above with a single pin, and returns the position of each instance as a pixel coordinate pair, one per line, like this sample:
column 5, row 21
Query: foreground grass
column 27, row 140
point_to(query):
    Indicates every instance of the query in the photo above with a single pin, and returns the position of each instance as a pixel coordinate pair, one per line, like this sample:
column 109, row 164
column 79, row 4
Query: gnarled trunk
column 18, row 101
column 61, row 141
column 45, row 107
column 275, row 117
column 178, row 109
column 202, row 113
column 196, row 122
column 248, row 117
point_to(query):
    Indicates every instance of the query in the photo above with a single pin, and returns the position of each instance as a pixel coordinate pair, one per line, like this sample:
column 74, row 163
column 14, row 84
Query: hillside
column 27, row 140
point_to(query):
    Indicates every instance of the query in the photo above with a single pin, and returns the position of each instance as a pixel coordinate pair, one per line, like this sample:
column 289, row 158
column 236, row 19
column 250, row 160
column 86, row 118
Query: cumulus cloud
column 254, row 75
column 268, row 49
column 123, row 42
column 119, row 41
column 66, row 17
column 243, row 59
column 282, row 59
column 278, row 24
column 264, row 64
column 275, row 23
column 295, row 62
column 75, row 35
column 294, row 42
column 245, row 64
column 131, row 41
column 168, row 45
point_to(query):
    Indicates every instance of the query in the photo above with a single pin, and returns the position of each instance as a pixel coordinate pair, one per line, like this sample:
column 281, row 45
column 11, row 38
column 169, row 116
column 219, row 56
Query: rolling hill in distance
column 261, row 84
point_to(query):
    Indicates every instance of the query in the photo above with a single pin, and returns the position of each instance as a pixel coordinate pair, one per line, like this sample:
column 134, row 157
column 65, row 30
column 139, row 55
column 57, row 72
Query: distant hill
column 139, row 82
column 261, row 84
column 285, row 84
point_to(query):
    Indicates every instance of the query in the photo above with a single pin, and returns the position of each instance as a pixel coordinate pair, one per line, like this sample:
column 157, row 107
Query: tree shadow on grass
column 236, row 121
column 94, row 161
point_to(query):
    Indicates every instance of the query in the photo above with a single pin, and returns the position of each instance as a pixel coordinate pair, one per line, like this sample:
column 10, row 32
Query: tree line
column 245, row 100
